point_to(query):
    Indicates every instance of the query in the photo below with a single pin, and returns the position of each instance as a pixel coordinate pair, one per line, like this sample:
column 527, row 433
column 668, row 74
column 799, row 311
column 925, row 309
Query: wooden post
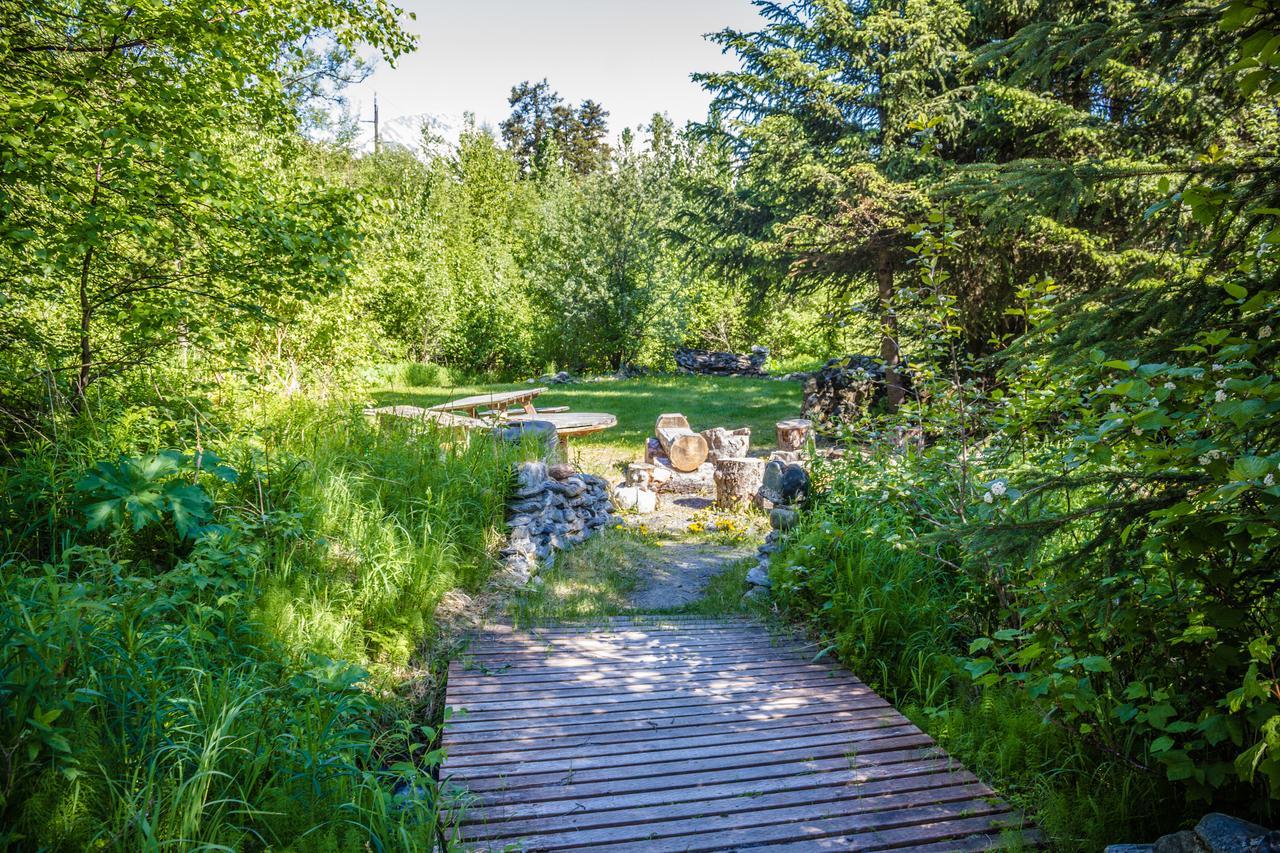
column 738, row 480
column 684, row 447
column 794, row 434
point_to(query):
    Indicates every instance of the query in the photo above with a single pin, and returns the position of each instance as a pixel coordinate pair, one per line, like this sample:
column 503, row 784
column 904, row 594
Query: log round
column 737, row 481
column 794, row 434
column 684, row 447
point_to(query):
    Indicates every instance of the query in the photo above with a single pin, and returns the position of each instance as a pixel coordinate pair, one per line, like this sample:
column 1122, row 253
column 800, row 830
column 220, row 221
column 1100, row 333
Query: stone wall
column 552, row 508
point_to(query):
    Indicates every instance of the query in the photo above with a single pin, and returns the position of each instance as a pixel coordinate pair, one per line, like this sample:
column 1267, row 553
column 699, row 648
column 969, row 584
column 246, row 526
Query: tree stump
column 794, row 434
column 723, row 443
column 737, row 480
column 684, row 447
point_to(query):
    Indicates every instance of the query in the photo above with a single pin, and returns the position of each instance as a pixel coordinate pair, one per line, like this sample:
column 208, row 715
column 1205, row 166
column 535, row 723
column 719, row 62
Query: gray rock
column 759, row 575
column 531, row 474
column 513, row 433
column 772, row 477
column 783, row 518
column 756, row 595
column 519, row 521
column 560, row 471
column 1127, row 848
column 794, row 485
column 1185, row 841
column 1222, row 833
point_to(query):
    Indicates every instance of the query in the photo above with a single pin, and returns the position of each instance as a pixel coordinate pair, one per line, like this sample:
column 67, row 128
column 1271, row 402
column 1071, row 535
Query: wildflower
column 1137, row 430
column 1220, row 396
column 1269, row 480
column 988, row 498
column 1205, row 459
column 1115, row 407
column 1264, row 333
column 998, row 489
column 1217, row 367
column 1169, row 386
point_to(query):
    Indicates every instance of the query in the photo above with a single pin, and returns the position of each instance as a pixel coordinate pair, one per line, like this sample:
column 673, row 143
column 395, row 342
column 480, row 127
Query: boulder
column 1222, row 833
column 783, row 518
column 759, row 575
column 793, row 486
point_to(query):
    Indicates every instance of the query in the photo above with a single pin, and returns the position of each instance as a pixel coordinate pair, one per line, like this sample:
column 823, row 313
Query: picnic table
column 572, row 424
column 498, row 400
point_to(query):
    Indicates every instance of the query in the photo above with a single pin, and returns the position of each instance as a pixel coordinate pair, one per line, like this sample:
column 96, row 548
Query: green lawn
column 707, row 401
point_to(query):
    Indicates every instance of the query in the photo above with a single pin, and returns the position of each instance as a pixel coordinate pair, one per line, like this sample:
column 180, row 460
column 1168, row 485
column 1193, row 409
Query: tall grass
column 237, row 689
column 902, row 620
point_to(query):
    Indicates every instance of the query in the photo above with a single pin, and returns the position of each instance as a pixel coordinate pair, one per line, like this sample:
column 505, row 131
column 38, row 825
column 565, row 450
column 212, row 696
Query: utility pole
column 377, row 140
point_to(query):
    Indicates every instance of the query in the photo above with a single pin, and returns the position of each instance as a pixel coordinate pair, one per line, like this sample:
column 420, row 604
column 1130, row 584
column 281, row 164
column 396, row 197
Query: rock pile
column 786, row 485
column 561, row 378
column 551, row 508
column 1215, row 833
column 722, row 363
column 845, row 388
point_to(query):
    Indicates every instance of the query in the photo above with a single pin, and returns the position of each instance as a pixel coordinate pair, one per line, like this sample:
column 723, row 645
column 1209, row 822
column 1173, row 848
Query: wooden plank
column 663, row 720
column 866, row 751
column 566, row 666
column 936, row 835
column 758, row 797
column 586, row 759
column 570, row 789
column 616, row 678
column 612, row 692
column 873, row 778
column 709, row 646
column 720, row 832
column 633, row 742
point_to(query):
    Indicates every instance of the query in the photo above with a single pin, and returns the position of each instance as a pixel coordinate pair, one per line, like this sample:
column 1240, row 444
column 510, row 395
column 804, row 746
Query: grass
column 707, row 401
column 591, row 581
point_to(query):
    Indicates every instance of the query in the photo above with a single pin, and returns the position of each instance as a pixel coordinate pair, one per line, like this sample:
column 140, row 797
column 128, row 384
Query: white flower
column 998, row 489
column 1137, row 430
column 1221, row 396
column 1205, row 459
column 1264, row 332
column 1169, row 386
column 1269, row 480
column 988, row 497
column 1115, row 407
column 1217, row 366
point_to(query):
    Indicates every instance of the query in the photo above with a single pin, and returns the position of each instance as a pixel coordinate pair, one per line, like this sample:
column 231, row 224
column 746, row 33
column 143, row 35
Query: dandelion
column 1169, row 386
column 998, row 489
column 988, row 498
column 1220, row 396
column 1264, row 333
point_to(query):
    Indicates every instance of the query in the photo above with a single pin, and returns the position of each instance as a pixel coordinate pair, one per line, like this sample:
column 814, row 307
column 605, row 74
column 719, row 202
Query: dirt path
column 684, row 563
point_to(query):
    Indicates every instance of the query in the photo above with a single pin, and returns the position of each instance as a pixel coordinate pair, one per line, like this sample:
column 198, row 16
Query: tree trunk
column 737, row 481
column 684, row 447
column 889, row 354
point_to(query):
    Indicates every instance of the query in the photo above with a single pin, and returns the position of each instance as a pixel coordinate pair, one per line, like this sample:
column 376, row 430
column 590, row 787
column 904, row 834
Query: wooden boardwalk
column 656, row 735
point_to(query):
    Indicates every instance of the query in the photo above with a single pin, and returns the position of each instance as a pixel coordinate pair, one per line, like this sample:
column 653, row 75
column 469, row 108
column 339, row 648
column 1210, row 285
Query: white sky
column 634, row 57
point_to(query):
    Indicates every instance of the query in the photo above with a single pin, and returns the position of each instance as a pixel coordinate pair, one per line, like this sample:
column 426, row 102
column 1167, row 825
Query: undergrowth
column 209, row 626
column 902, row 621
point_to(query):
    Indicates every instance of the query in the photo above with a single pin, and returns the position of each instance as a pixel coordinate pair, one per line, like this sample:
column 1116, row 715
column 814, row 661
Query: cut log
column 684, row 447
column 737, row 481
column 722, row 443
column 794, row 434
column 640, row 474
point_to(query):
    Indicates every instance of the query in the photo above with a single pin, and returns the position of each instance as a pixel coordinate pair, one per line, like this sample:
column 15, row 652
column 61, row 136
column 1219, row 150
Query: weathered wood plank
column 638, row 742
column 689, row 802
column 874, row 779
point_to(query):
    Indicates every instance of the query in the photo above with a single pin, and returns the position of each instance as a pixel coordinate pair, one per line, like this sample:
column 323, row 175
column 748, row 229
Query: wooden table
column 572, row 424
column 499, row 400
